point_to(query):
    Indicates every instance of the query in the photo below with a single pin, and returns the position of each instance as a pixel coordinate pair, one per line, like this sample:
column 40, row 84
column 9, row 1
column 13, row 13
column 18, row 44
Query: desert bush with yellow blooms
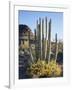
column 43, row 69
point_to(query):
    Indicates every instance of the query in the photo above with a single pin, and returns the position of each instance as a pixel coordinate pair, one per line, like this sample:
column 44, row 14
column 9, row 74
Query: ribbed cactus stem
column 56, row 47
column 35, row 45
column 30, row 49
column 47, row 54
column 43, row 43
column 40, row 38
column 37, row 40
column 49, row 41
column 45, row 37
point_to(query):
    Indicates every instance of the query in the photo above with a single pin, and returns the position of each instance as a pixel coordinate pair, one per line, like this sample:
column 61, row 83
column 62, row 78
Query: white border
column 14, row 7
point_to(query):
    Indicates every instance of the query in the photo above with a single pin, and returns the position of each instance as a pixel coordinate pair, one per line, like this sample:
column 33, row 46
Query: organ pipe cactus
column 43, row 51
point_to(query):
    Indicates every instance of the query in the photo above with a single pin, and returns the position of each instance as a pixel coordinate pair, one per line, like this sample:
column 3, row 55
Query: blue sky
column 30, row 17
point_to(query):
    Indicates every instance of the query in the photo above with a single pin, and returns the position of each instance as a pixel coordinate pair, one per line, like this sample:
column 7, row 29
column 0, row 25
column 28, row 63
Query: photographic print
column 40, row 44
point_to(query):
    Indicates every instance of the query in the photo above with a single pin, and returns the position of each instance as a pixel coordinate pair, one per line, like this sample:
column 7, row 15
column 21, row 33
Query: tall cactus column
column 36, row 56
column 30, row 48
column 49, row 42
column 56, row 47
column 45, row 37
column 43, row 42
column 37, row 41
column 39, row 38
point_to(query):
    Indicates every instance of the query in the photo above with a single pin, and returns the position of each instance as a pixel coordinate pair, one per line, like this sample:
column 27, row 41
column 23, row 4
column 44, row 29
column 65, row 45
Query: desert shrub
column 43, row 69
